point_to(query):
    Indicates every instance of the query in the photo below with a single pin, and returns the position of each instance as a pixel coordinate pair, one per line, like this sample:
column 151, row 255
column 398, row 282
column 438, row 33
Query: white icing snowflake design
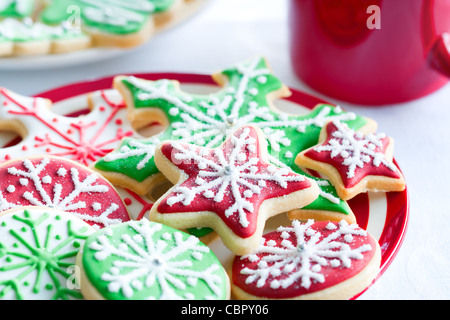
column 355, row 148
column 146, row 257
column 225, row 174
column 300, row 259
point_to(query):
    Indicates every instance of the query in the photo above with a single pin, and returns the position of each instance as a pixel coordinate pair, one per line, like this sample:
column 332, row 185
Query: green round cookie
column 38, row 250
column 141, row 260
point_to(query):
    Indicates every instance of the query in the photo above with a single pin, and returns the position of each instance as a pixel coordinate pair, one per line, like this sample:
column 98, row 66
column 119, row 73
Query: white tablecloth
column 229, row 31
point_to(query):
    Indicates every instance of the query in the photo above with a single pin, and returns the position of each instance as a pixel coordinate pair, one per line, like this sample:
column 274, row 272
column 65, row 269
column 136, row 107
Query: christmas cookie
column 38, row 249
column 246, row 97
column 83, row 138
column 142, row 260
column 43, row 27
column 314, row 260
column 108, row 22
column 61, row 184
column 232, row 188
column 22, row 34
column 353, row 161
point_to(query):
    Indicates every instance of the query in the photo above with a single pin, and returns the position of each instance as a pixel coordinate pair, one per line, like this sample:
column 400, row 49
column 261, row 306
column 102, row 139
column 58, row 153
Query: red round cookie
column 62, row 184
column 312, row 260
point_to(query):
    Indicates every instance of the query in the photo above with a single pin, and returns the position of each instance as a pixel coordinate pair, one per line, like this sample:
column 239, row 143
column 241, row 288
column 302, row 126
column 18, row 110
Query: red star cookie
column 232, row 188
column 354, row 162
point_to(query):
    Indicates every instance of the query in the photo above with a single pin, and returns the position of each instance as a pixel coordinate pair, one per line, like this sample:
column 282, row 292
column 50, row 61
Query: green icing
column 200, row 232
column 33, row 261
column 161, row 5
column 16, row 8
column 141, row 260
column 110, row 16
column 206, row 120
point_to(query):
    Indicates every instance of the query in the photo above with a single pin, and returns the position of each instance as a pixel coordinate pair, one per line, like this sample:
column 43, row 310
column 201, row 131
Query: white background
column 229, row 31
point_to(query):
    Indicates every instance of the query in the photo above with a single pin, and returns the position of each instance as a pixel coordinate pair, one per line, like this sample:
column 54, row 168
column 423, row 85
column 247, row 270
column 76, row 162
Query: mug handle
column 439, row 55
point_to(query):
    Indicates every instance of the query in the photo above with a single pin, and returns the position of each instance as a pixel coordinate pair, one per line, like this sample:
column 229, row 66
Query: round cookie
column 141, row 260
column 61, row 184
column 316, row 260
column 38, row 249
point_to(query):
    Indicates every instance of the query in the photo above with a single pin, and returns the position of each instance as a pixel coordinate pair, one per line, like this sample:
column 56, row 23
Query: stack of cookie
column 223, row 164
column 31, row 27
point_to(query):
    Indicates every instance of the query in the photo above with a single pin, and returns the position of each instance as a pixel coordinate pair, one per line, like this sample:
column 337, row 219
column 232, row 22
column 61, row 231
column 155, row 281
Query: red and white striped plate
column 383, row 215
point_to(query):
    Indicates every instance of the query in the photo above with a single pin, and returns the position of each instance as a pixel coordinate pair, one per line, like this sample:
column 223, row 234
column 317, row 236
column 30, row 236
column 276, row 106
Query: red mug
column 371, row 52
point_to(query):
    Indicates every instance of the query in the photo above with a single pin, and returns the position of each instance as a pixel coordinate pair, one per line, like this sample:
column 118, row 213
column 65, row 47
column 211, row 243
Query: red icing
column 332, row 275
column 201, row 203
column 360, row 173
column 13, row 188
column 146, row 206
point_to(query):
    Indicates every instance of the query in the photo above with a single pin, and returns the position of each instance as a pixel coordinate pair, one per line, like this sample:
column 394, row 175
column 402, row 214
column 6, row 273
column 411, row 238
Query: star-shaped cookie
column 232, row 188
column 354, row 162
